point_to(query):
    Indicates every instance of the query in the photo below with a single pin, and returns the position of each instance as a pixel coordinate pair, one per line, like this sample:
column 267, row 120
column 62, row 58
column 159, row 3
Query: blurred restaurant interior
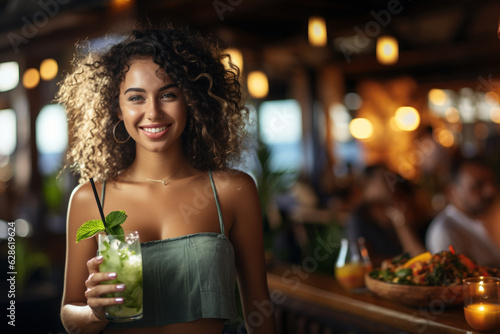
column 328, row 99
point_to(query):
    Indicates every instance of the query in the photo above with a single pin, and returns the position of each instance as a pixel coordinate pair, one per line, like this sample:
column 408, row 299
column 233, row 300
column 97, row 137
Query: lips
column 154, row 131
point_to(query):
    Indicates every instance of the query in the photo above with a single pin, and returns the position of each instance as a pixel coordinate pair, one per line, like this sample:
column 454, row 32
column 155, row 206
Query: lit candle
column 483, row 316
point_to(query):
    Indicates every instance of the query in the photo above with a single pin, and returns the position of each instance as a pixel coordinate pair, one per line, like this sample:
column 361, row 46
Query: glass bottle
column 352, row 264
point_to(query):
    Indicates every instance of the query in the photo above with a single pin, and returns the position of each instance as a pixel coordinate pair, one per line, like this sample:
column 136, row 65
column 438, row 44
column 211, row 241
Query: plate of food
column 426, row 280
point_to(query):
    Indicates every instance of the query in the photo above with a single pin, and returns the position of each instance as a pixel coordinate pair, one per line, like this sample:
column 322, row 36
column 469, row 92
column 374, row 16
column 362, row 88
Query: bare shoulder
column 82, row 202
column 233, row 182
column 82, row 195
column 238, row 193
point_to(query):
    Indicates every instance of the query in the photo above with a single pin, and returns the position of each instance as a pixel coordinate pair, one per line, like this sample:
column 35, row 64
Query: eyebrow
column 142, row 90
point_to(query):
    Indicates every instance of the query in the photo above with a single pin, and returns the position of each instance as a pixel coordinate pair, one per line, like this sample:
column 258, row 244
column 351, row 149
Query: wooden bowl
column 435, row 297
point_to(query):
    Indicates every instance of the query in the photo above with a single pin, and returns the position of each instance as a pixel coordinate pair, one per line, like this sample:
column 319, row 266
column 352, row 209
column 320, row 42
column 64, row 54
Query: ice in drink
column 123, row 258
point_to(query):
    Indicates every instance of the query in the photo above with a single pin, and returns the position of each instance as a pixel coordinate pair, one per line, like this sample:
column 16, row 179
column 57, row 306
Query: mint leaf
column 118, row 231
column 113, row 226
column 89, row 229
column 115, row 218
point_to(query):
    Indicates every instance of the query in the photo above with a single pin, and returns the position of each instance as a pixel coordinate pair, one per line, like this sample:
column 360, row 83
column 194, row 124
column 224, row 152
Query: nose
column 153, row 110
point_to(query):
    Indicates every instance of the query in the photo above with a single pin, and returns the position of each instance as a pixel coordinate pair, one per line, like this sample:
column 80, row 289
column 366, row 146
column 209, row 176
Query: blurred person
column 471, row 193
column 158, row 120
column 387, row 217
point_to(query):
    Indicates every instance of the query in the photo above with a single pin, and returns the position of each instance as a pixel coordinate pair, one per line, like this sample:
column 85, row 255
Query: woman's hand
column 95, row 290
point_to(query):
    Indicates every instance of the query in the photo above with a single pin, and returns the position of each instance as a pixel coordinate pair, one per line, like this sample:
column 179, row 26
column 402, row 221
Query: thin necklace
column 164, row 181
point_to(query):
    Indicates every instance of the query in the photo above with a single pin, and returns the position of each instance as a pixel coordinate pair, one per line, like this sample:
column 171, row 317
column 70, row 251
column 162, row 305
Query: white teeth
column 155, row 130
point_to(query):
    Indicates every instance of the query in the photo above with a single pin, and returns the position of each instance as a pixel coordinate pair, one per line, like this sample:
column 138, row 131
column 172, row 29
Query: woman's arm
column 81, row 309
column 247, row 238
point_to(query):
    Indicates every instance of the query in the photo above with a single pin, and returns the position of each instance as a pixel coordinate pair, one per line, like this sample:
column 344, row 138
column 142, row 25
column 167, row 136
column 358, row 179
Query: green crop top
column 187, row 278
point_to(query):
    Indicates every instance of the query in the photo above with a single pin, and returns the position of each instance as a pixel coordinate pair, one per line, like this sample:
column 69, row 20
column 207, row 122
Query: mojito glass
column 122, row 255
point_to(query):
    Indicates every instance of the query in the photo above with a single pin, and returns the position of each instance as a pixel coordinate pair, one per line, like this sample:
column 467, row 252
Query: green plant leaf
column 117, row 230
column 113, row 226
column 115, row 218
column 89, row 229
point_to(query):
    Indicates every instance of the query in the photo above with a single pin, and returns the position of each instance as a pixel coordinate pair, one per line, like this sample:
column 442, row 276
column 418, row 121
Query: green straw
column 98, row 203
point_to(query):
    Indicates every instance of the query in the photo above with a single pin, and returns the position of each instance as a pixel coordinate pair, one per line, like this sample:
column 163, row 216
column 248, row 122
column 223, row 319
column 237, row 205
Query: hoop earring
column 114, row 134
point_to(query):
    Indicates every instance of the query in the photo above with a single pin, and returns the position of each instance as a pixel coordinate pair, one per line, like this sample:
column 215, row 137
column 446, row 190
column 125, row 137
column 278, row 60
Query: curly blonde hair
column 215, row 126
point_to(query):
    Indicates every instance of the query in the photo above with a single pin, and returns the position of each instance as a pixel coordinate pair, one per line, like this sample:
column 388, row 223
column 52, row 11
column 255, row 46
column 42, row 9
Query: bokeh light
column 340, row 119
column 118, row 5
column 361, row 128
column 492, row 98
column 31, row 78
column 353, row 101
column 452, row 115
column 407, row 118
column 317, row 31
column 258, row 86
column 8, row 132
column 438, row 97
column 9, row 75
column 495, row 114
column 51, row 130
column 236, row 58
column 48, row 69
column 445, row 137
column 387, row 50
column 23, row 228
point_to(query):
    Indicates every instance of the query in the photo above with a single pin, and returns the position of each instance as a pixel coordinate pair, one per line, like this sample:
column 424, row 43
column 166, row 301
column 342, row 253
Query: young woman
column 157, row 121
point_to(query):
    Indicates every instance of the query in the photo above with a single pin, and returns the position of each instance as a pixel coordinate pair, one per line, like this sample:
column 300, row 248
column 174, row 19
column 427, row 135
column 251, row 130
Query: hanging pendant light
column 387, row 50
column 317, row 31
column 236, row 58
column 31, row 78
column 258, row 85
column 48, row 69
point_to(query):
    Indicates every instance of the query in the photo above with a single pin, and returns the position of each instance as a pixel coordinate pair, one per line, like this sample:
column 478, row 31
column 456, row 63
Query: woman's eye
column 135, row 98
column 168, row 95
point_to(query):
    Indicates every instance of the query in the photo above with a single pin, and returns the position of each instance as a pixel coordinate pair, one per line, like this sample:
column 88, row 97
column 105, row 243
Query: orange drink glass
column 351, row 265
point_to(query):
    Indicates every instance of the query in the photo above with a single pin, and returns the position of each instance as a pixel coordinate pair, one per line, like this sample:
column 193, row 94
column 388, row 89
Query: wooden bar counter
column 316, row 298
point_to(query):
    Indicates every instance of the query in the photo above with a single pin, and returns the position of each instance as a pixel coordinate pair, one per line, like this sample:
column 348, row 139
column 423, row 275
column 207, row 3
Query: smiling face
column 152, row 107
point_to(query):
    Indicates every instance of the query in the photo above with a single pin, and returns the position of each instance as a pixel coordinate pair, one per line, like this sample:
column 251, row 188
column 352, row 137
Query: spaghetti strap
column 221, row 223
column 103, row 191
